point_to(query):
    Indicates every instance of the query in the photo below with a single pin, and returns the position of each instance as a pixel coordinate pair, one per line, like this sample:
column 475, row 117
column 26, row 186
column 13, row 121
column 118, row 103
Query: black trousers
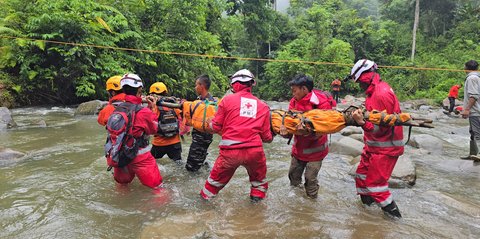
column 198, row 150
column 452, row 104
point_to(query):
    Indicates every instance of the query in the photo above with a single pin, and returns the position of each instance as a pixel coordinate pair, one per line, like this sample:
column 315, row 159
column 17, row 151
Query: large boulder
column 403, row 175
column 90, row 107
column 358, row 137
column 8, row 156
column 6, row 120
column 349, row 130
column 430, row 143
column 347, row 146
column 415, row 104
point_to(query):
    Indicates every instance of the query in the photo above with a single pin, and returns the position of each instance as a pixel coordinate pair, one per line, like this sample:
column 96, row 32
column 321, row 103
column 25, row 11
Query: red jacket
column 145, row 124
column 105, row 113
column 381, row 139
column 310, row 148
column 242, row 120
column 454, row 91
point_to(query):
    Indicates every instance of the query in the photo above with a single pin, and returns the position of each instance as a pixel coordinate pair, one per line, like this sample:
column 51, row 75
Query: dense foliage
column 39, row 72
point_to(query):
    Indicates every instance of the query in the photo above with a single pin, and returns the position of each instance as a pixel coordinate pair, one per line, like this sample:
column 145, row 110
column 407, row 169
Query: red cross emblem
column 248, row 105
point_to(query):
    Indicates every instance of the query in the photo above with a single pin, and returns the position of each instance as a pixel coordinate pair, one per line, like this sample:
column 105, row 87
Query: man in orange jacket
column 452, row 96
column 166, row 142
column 336, row 84
column 115, row 95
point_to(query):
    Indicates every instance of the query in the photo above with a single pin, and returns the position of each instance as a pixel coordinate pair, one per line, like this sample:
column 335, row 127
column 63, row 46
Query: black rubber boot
column 367, row 200
column 254, row 199
column 473, row 150
column 392, row 210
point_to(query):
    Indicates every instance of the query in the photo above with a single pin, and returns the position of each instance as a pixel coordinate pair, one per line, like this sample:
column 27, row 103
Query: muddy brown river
column 61, row 189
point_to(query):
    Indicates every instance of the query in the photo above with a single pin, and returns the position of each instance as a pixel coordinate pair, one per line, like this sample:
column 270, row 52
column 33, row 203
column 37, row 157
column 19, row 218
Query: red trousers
column 253, row 159
column 146, row 169
column 372, row 176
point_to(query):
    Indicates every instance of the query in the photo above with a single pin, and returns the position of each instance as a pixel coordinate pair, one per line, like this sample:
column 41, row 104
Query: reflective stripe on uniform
column 215, row 183
column 316, row 149
column 385, row 144
column 258, row 183
column 386, row 202
column 229, row 142
column 144, row 150
column 373, row 189
column 361, row 176
column 208, row 193
column 261, row 189
column 376, row 128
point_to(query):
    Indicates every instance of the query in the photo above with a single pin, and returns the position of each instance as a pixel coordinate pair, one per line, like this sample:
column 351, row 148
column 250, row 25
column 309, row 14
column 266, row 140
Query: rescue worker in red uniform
column 115, row 95
column 383, row 144
column 144, row 165
column 307, row 151
column 244, row 123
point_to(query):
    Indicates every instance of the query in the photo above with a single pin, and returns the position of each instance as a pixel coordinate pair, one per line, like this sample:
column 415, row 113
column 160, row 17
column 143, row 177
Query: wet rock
column 347, row 146
column 430, row 143
column 406, row 106
column 403, row 175
column 8, row 156
column 358, row 137
column 349, row 98
column 424, row 107
column 42, row 124
column 355, row 160
column 90, row 107
column 460, row 204
column 434, row 115
column 417, row 103
column 349, row 130
column 6, row 120
column 403, row 172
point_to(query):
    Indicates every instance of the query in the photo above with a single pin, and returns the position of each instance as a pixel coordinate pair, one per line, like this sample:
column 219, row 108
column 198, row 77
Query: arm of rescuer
column 150, row 120
column 216, row 123
column 104, row 114
column 472, row 93
column 387, row 102
column 266, row 133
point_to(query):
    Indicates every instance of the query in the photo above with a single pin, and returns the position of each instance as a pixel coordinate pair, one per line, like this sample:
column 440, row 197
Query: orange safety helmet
column 158, row 88
column 113, row 83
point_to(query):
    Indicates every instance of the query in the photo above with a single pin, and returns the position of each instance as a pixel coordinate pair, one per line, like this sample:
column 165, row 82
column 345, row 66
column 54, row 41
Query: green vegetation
column 38, row 72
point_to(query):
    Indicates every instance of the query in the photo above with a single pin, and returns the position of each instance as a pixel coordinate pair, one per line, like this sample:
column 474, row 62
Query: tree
column 415, row 26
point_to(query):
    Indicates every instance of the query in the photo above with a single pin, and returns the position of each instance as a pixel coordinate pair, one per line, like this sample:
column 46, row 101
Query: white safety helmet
column 362, row 66
column 131, row 80
column 243, row 75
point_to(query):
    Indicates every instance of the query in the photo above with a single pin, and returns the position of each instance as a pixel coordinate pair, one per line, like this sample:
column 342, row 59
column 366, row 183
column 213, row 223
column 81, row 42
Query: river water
column 61, row 189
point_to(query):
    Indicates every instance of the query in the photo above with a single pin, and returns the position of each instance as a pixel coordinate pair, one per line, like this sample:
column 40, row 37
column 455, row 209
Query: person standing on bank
column 336, row 84
column 200, row 140
column 471, row 107
column 452, row 96
column 383, row 144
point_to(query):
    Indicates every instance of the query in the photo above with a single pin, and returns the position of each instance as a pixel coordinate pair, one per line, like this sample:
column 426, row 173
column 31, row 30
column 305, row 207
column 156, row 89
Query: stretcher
column 199, row 114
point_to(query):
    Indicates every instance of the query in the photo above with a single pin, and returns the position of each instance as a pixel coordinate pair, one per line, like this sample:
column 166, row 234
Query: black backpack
column 168, row 123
